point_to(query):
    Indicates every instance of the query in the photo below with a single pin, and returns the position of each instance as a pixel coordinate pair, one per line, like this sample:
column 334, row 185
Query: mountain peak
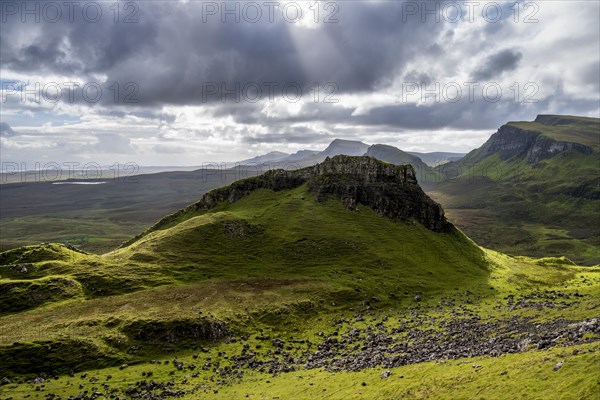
column 272, row 156
column 346, row 147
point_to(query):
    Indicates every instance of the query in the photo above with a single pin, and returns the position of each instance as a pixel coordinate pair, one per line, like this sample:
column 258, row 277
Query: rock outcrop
column 390, row 190
column 530, row 144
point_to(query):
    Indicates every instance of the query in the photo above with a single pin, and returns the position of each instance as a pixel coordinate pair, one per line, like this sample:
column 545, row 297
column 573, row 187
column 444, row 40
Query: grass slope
column 541, row 209
column 281, row 265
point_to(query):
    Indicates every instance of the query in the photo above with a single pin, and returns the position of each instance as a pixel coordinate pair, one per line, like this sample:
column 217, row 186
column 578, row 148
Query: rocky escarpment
column 528, row 142
column 391, row 190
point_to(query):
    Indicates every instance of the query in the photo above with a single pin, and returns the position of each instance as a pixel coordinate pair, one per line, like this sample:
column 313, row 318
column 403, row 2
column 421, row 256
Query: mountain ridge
column 529, row 141
column 304, row 158
column 535, row 183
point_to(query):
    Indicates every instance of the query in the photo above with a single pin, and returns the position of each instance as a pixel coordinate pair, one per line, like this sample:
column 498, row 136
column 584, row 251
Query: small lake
column 77, row 183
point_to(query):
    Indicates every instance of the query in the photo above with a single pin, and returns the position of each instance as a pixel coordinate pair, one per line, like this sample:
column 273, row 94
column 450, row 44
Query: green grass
column 291, row 234
column 516, row 376
column 521, row 209
column 284, row 265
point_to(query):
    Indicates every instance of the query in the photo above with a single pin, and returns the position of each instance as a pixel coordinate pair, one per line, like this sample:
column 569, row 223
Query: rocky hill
column 531, row 189
column 391, row 190
column 546, row 137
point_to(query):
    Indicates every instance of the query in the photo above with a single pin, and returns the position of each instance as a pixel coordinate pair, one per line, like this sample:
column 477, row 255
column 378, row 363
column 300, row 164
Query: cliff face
column 530, row 145
column 544, row 147
column 390, row 190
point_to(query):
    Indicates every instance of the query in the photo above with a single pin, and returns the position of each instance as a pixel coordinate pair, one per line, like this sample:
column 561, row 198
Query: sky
column 188, row 82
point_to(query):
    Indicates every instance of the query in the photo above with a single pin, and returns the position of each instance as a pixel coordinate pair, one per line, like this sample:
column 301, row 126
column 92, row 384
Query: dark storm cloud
column 459, row 115
column 43, row 51
column 479, row 115
column 496, row 64
column 174, row 57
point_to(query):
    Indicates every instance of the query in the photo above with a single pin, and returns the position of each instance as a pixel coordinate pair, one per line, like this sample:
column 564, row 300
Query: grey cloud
column 591, row 75
column 144, row 113
column 173, row 61
column 418, row 77
column 113, row 143
column 298, row 135
column 167, row 149
column 494, row 65
column 6, row 130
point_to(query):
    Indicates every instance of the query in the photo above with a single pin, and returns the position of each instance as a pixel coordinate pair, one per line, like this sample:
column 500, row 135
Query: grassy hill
column 531, row 189
column 298, row 284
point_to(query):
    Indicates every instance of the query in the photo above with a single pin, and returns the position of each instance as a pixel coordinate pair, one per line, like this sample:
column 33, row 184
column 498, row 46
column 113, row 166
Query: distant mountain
column 345, row 147
column 396, row 156
column 392, row 155
column 306, row 158
column 542, row 139
column 273, row 156
column 438, row 157
column 301, row 155
column 531, row 189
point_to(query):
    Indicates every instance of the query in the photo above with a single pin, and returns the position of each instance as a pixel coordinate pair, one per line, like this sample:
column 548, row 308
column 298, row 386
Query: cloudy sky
column 187, row 82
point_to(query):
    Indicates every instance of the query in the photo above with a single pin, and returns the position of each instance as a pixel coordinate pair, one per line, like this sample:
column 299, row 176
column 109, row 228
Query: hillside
column 531, row 189
column 342, row 278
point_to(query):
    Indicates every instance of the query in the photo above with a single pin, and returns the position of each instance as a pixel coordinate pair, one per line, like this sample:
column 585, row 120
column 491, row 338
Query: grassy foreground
column 278, row 295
